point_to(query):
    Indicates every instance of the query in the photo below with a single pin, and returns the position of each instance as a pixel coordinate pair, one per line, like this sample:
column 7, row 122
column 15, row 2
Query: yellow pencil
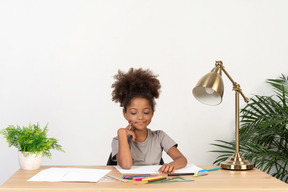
column 151, row 178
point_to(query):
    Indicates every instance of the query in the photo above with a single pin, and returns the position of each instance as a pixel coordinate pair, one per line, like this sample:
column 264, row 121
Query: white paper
column 190, row 168
column 70, row 174
column 153, row 169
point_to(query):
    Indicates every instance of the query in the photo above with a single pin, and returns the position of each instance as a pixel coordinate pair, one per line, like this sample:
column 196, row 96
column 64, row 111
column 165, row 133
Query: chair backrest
column 112, row 162
column 161, row 161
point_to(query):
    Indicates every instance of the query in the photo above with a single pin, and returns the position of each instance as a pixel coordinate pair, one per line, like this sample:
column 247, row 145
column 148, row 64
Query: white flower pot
column 29, row 161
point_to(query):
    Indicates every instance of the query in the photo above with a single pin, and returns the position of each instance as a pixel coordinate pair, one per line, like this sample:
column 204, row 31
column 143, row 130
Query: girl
column 136, row 144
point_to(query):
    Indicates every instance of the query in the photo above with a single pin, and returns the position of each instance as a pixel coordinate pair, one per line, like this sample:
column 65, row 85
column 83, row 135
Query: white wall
column 58, row 58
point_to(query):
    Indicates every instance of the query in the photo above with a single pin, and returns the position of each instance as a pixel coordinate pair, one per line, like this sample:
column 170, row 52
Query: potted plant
column 32, row 143
column 263, row 132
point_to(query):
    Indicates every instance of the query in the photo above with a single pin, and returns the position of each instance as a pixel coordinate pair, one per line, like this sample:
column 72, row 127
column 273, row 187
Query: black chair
column 161, row 161
column 112, row 162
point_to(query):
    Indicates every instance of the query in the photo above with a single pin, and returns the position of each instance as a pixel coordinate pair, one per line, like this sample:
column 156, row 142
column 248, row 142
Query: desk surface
column 215, row 181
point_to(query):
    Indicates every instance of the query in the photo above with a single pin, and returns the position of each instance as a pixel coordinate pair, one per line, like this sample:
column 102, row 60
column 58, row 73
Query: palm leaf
column 280, row 86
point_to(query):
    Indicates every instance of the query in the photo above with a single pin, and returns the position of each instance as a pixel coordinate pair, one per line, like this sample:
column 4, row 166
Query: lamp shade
column 210, row 88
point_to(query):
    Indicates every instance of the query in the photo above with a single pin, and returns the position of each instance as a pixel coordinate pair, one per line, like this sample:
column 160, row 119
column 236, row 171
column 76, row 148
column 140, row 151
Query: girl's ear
column 125, row 114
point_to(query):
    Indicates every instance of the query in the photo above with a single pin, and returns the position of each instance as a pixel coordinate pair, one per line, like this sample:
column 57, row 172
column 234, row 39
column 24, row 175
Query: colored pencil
column 151, row 178
column 159, row 179
column 140, row 175
column 140, row 178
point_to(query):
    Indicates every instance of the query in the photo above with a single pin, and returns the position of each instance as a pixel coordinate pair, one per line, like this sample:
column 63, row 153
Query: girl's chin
column 140, row 127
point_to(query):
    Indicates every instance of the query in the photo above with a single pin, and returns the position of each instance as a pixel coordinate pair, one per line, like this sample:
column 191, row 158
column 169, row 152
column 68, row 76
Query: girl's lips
column 139, row 122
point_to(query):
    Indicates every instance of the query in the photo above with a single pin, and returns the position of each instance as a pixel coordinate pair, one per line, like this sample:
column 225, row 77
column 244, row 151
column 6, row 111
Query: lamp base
column 237, row 162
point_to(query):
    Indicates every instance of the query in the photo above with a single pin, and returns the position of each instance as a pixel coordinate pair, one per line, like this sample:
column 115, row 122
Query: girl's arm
column 123, row 156
column 179, row 161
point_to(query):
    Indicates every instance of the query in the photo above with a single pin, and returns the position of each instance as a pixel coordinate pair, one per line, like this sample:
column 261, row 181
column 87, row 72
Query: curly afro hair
column 135, row 83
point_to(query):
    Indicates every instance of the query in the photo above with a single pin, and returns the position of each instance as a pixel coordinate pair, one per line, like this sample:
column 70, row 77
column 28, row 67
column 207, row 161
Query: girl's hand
column 167, row 168
column 128, row 131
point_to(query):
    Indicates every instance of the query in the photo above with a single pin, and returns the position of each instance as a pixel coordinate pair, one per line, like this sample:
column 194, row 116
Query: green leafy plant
column 31, row 139
column 263, row 133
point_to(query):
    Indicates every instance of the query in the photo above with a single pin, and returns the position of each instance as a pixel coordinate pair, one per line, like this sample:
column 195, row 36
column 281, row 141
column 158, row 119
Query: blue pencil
column 204, row 170
column 143, row 175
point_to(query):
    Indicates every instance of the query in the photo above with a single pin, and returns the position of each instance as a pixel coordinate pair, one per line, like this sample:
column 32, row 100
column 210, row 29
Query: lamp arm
column 236, row 86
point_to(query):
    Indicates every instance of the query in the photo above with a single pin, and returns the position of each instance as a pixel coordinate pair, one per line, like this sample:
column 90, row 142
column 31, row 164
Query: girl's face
column 139, row 113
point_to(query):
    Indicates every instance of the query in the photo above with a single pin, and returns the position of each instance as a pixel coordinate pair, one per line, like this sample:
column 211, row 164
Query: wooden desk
column 215, row 181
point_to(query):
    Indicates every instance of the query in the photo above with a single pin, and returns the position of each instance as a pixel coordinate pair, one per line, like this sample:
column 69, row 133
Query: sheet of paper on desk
column 190, row 168
column 70, row 174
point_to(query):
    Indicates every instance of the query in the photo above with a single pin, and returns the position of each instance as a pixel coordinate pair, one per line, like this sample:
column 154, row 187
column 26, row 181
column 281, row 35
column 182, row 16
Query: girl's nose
column 140, row 116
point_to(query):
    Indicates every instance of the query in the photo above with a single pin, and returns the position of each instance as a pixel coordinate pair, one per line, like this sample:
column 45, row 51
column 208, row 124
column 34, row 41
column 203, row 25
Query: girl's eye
column 133, row 113
column 146, row 113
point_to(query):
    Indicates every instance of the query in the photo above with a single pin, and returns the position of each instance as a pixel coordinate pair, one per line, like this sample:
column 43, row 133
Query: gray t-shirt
column 148, row 152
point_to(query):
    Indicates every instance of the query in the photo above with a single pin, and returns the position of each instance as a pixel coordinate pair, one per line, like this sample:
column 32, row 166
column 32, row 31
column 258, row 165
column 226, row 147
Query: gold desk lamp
column 209, row 90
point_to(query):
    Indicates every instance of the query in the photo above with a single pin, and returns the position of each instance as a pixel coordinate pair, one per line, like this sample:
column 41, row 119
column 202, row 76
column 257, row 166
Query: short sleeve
column 166, row 141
